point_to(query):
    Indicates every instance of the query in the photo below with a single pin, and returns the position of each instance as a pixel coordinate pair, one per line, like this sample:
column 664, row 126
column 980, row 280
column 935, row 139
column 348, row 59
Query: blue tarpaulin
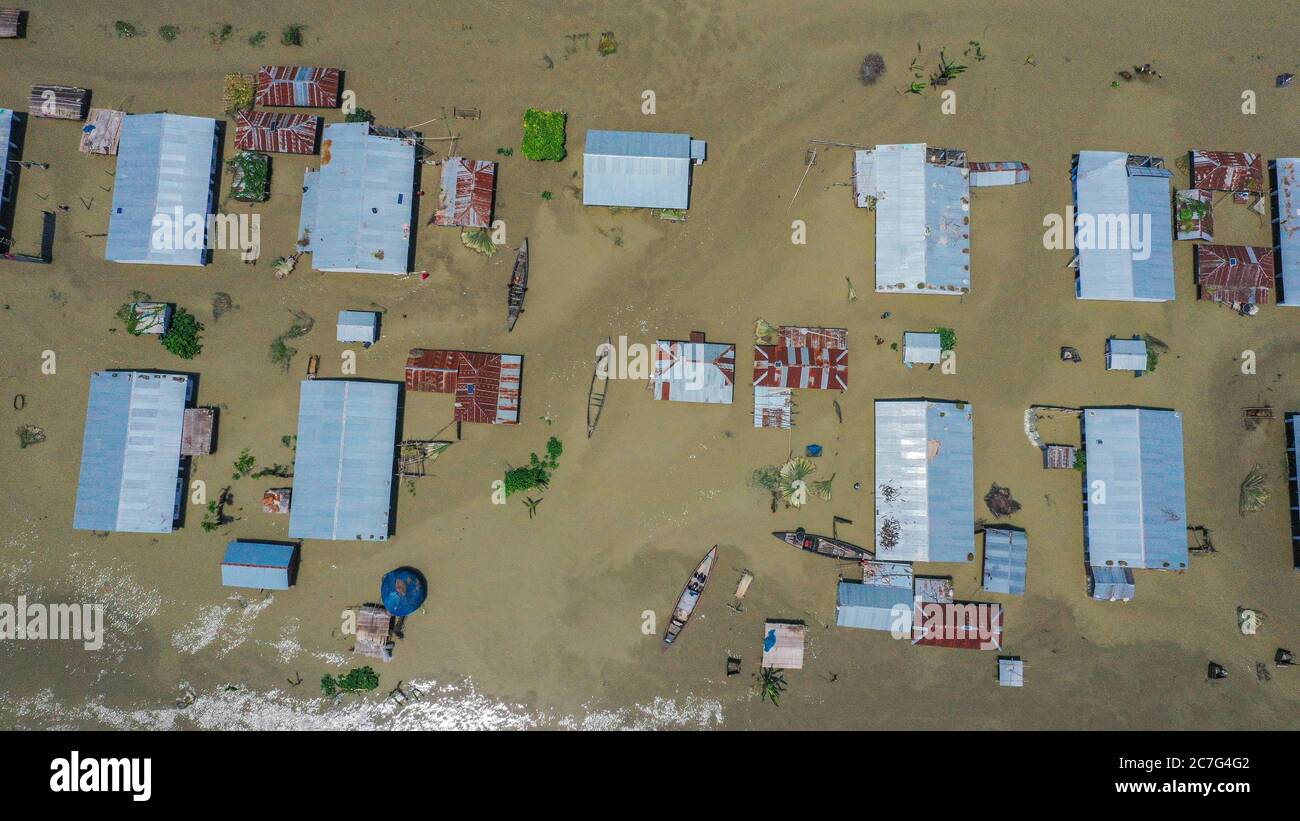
column 403, row 591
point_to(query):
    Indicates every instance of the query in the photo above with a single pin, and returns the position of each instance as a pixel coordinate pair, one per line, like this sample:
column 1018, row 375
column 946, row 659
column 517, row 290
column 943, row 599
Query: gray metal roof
column 357, row 208
column 343, row 468
column 922, row 348
column 6, row 173
column 925, row 480
column 637, row 169
column 131, row 452
column 358, row 326
column 874, row 607
column 1006, row 552
column 1137, row 515
column 258, row 565
column 1112, row 583
column 1126, row 355
column 1288, row 217
column 922, row 212
column 1107, row 189
column 165, row 162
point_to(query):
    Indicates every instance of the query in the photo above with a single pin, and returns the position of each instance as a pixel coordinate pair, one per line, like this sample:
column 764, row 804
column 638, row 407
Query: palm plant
column 793, row 474
column 1254, row 491
column 771, row 684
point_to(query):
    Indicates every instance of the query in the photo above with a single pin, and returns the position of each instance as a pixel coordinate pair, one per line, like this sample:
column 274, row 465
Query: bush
column 537, row 473
column 169, row 33
column 873, row 65
column 947, row 338
column 544, row 135
column 361, row 115
column 292, row 35
column 182, row 338
column 358, row 680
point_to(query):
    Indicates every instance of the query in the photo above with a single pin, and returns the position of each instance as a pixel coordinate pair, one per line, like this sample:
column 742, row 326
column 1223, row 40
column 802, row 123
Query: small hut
column 277, row 499
column 1005, row 172
column 196, row 431
column 151, row 317
column 102, row 131
column 468, row 188
column 1235, row 274
column 58, row 102
column 260, row 565
column 1058, row 457
column 280, row 133
column 922, row 348
column 1234, row 171
column 1110, row 583
column 13, row 23
column 1006, row 552
column 299, row 86
column 374, row 631
column 1126, row 355
column 358, row 326
column 783, row 644
column 1011, row 671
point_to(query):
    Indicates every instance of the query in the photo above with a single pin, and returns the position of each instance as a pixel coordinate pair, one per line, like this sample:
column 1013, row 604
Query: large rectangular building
column 130, row 477
column 639, row 169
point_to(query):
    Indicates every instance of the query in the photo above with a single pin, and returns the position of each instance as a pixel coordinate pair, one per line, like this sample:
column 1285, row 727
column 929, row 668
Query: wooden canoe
column 517, row 288
column 596, row 398
column 823, row 545
column 690, row 596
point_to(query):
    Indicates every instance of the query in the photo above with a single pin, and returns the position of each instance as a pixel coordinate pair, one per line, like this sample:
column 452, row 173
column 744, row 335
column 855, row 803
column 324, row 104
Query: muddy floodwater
column 546, row 621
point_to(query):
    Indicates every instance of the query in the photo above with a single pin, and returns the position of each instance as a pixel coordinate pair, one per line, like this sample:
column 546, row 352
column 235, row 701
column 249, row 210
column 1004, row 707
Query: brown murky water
column 538, row 622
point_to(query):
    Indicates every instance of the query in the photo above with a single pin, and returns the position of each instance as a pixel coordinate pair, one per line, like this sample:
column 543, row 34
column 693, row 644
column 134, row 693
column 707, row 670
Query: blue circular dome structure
column 403, row 591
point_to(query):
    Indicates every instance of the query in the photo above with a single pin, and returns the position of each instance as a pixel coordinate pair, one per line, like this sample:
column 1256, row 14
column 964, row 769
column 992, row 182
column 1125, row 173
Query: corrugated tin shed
column 1137, row 456
column 430, row 370
column 925, row 481
column 922, row 348
column 1287, row 220
column 638, row 169
column 1126, row 355
column 487, row 388
column 358, row 326
column 1011, row 672
column 259, row 565
column 468, row 189
column 1110, row 192
column 102, row 131
column 300, row 86
column 960, row 625
column 277, row 500
column 922, row 220
column 874, row 607
column 1111, row 583
column 374, row 625
column 987, row 174
column 783, row 645
column 279, row 133
column 13, row 23
column 343, row 469
column 1058, row 457
column 58, row 102
column 804, row 358
column 357, row 208
column 131, row 452
column 1006, row 554
column 1228, row 171
column 694, row 372
column 773, row 407
column 166, row 165
column 196, row 431
column 1235, row 273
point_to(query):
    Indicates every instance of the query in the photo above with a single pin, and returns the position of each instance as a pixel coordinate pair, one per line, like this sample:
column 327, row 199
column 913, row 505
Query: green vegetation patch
column 544, row 135
column 182, row 338
column 357, row 680
column 250, row 175
column 537, row 473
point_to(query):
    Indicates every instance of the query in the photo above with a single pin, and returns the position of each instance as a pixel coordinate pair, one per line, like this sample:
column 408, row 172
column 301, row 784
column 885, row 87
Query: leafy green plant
column 257, row 39
column 282, row 353
column 244, row 464
column 607, row 45
column 547, row 195
column 544, row 135
column 126, row 30
column 537, row 473
column 771, row 684
column 221, row 34
column 169, row 32
column 478, row 239
column 1081, row 460
column 357, row 680
column 1254, row 491
column 216, row 512
column 250, row 175
column 277, row 470
column 360, row 115
column 506, row 152
column 127, row 314
column 947, row 338
column 182, row 338
column 291, row 35
column 289, row 441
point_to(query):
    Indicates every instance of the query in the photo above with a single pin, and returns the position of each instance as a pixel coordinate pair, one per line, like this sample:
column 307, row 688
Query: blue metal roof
column 1107, row 192
column 922, row 348
column 259, row 565
column 358, row 326
column 922, row 210
column 166, row 165
column 637, row 169
column 874, row 607
column 1137, row 516
column 925, row 480
column 131, row 452
column 1287, row 170
column 1006, row 552
column 343, row 470
column 357, row 208
column 1126, row 355
column 6, row 172
column 1112, row 583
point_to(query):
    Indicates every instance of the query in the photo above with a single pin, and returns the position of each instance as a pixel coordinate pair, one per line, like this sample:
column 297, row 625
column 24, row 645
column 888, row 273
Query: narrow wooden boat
column 517, row 288
column 823, row 545
column 690, row 596
column 596, row 398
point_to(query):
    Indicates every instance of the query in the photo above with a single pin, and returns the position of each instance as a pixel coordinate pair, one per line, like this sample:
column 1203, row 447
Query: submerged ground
column 539, row 622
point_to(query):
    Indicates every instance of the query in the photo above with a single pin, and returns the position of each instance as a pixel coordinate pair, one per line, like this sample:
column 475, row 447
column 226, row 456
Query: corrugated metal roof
column 357, row 208
column 1288, row 219
column 304, row 86
column 358, row 326
column 1112, row 583
column 1126, row 355
column 925, row 481
column 468, row 188
column 165, row 162
column 1235, row 273
column 6, row 171
column 773, row 407
column 1011, row 673
column 1228, row 171
column 1137, row 456
column 1005, row 172
column 1006, row 553
column 874, row 607
column 922, row 348
column 488, row 387
column 343, row 470
column 131, row 452
column 694, row 372
column 783, row 645
column 281, row 133
column 259, row 565
column 922, row 221
column 637, row 169
column 1106, row 190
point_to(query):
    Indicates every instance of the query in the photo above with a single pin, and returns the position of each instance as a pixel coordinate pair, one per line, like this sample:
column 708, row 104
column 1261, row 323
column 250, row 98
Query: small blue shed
column 260, row 565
